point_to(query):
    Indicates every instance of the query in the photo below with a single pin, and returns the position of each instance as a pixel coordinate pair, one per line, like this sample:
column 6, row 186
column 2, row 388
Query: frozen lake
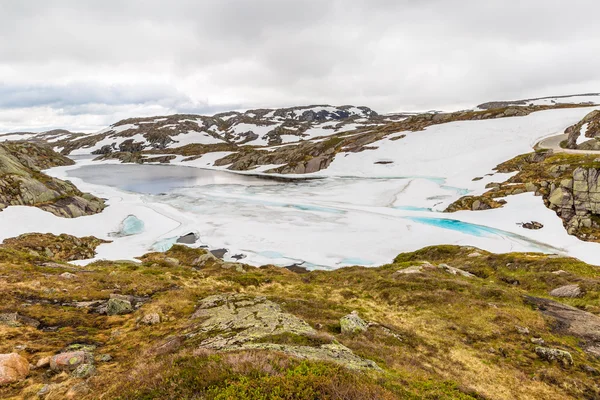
column 323, row 223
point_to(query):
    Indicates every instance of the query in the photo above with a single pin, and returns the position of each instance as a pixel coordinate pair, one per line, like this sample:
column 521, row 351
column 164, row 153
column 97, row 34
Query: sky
column 85, row 64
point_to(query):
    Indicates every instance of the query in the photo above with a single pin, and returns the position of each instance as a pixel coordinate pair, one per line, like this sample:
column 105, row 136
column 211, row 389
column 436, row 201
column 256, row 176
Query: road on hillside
column 553, row 143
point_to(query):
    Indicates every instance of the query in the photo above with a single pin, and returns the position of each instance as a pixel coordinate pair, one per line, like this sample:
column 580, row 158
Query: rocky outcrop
column 240, row 322
column 588, row 128
column 569, row 291
column 60, row 248
column 571, row 321
column 23, row 183
column 13, row 368
column 577, row 200
column 352, row 323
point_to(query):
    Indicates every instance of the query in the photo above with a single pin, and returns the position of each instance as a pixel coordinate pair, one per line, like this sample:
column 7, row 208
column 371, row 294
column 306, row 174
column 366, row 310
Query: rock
column 560, row 272
column 456, row 271
column 474, row 254
column 150, row 319
column 235, row 266
column 172, row 262
column 118, row 307
column 414, row 269
column 538, row 341
column 297, row 269
column 43, row 362
column 531, row 187
column 84, row 371
column 17, row 320
column 13, row 368
column 352, row 323
column 69, row 361
column 219, row 253
column 522, row 330
column 77, row 391
column 190, row 238
column 232, row 322
column 68, row 275
column 203, row 259
column 570, row 291
column 247, row 317
column 550, row 354
column 571, row 321
column 533, row 225
column 104, row 358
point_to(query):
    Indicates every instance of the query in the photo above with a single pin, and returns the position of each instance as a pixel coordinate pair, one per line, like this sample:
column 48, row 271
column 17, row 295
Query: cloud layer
column 82, row 64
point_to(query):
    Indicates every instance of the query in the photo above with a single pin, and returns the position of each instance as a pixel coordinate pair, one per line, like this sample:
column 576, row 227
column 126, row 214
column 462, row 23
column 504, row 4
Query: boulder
column 171, row 262
column 414, row 269
column 69, row 361
column 150, row 319
column 203, row 259
column 550, row 354
column 533, row 225
column 118, row 307
column 43, row 362
column 571, row 291
column 68, row 275
column 456, row 271
column 352, row 323
column 13, row 368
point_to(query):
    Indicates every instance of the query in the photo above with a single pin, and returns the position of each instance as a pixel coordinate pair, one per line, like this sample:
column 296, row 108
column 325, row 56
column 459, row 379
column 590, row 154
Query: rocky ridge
column 23, row 183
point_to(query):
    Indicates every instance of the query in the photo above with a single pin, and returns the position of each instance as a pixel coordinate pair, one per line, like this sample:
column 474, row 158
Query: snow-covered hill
column 260, row 127
column 589, row 99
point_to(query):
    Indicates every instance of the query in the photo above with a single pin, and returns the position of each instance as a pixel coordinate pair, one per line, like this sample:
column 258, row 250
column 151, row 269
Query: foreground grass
column 434, row 335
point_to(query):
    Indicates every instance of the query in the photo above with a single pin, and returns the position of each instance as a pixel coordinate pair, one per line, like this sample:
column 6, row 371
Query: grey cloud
column 208, row 55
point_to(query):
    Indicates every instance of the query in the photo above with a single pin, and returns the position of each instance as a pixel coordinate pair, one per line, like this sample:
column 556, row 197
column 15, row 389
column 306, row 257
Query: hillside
column 444, row 322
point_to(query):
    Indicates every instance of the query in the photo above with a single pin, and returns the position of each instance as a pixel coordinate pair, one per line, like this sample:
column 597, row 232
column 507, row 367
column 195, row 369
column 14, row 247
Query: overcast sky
column 84, row 64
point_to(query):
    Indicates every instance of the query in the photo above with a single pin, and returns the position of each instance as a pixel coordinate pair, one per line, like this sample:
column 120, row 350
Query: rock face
column 13, row 368
column 352, row 323
column 236, row 321
column 571, row 291
column 589, row 128
column 577, row 200
column 572, row 321
column 23, row 183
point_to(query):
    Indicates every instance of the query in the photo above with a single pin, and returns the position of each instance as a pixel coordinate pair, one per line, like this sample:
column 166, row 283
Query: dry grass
column 438, row 335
